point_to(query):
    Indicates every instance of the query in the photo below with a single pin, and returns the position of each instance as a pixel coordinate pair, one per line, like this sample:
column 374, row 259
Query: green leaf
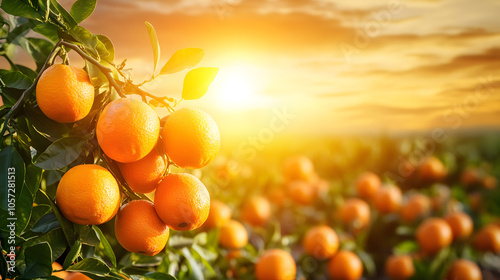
column 38, row 261
column 92, row 266
column 46, row 223
column 48, row 30
column 197, row 81
column 109, row 47
column 86, row 38
column 159, row 276
column 67, row 226
column 20, row 9
column 82, row 9
column 38, row 48
column 3, row 265
column 406, row 247
column 105, row 247
column 55, row 238
column 60, row 153
column 183, row 59
column 154, row 43
column 27, row 71
column 49, row 129
column 19, row 31
column 88, row 235
column 67, row 18
column 33, row 178
column 195, row 270
column 73, row 254
column 15, row 79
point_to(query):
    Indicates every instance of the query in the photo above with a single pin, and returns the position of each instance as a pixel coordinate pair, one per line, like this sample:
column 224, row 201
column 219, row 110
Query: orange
column 399, row 267
column 256, row 211
column 489, row 182
column 277, row 196
column 461, row 225
column 321, row 242
column 301, row 192
column 475, row 201
column 182, row 201
column 355, row 213
column 60, row 274
column 190, row 138
column 488, row 239
column 127, row 130
column 345, row 265
column 219, row 214
column 144, row 175
column 367, row 185
column 77, row 276
column 432, row 169
column 298, row 168
column 275, row 264
column 64, row 93
column 463, row 269
column 139, row 229
column 416, row 207
column 233, row 235
column 88, row 195
column 433, row 235
column 470, row 176
column 388, row 199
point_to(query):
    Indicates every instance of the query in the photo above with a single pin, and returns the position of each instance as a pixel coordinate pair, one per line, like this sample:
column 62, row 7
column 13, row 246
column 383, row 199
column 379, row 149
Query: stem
column 134, row 89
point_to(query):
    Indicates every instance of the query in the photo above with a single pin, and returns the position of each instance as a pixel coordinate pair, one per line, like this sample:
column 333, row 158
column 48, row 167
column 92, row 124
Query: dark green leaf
column 73, row 254
column 20, row 9
column 82, row 9
column 182, row 59
column 37, row 213
column 38, row 261
column 154, row 43
column 46, row 223
column 27, row 71
column 105, row 247
column 67, row 226
column 86, row 38
column 67, row 18
column 33, row 178
column 48, row 30
column 61, row 153
column 91, row 265
column 3, row 265
column 15, row 79
column 88, row 235
column 197, row 81
column 46, row 127
column 19, row 31
column 159, row 276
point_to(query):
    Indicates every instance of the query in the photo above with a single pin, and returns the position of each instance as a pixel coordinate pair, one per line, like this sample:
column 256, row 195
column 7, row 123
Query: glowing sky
column 337, row 66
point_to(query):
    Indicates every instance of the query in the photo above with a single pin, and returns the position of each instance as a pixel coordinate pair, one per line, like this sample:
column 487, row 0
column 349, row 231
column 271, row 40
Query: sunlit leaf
column 154, row 43
column 197, row 81
column 105, row 246
column 91, row 265
column 73, row 254
column 82, row 9
column 20, row 8
column 182, row 59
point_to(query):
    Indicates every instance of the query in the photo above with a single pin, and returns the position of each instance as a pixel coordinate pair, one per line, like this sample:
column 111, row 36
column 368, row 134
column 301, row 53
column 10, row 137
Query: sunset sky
column 336, row 66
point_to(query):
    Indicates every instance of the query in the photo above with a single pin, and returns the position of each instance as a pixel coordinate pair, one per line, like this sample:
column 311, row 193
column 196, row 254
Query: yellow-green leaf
column 154, row 43
column 183, row 59
column 197, row 81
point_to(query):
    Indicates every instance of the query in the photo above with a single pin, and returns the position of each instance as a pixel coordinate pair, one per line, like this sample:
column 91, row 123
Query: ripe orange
column 77, row 276
column 218, row 215
column 469, row 177
column 388, row 199
column 432, row 169
column 256, row 211
column 277, row 196
column 463, row 269
column 233, row 235
column 182, row 201
column 461, row 225
column 321, row 242
column 488, row 239
column 275, row 264
column 64, row 93
column 127, row 130
column 190, row 138
column 301, row 192
column 355, row 213
column 399, row 267
column 367, row 185
column 489, row 182
column 298, row 168
column 416, row 207
column 139, row 229
column 433, row 235
column 345, row 265
column 88, row 195
column 144, row 175
column 60, row 274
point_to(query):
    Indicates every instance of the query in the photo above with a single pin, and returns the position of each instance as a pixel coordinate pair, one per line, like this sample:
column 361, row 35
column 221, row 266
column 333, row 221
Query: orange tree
column 75, row 147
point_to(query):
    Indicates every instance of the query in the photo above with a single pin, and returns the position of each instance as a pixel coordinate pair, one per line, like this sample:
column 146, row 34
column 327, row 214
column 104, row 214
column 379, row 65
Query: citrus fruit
column 298, row 168
column 88, row 195
column 182, row 201
column 144, row 175
column 233, row 235
column 488, row 239
column 218, row 214
column 433, row 235
column 127, row 130
column 321, row 242
column 432, row 169
column 417, row 206
column 345, row 265
column 256, row 211
column 190, row 138
column 139, row 229
column 463, row 269
column 388, row 199
column 355, row 213
column 489, row 182
column 301, row 192
column 475, row 200
column 60, row 274
column 275, row 264
column 469, row 177
column 64, row 93
column 77, row 276
column 367, row 185
column 461, row 225
column 399, row 267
